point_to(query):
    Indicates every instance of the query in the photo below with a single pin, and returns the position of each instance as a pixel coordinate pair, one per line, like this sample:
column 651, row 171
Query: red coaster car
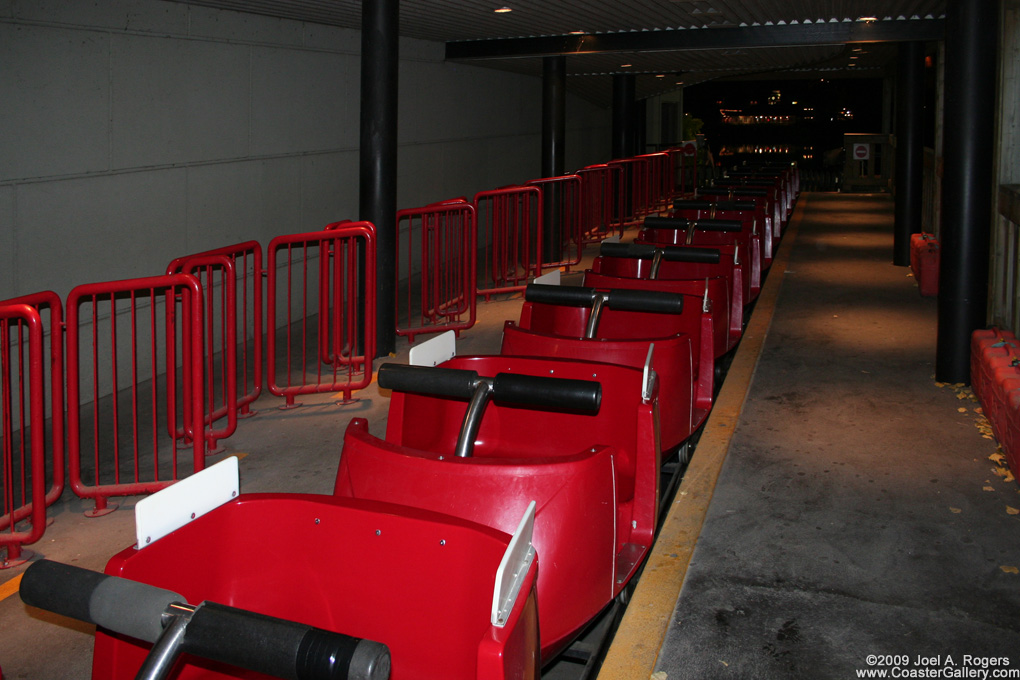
column 750, row 214
column 677, row 269
column 482, row 437
column 418, row 582
column 619, row 326
column 764, row 198
column 674, row 231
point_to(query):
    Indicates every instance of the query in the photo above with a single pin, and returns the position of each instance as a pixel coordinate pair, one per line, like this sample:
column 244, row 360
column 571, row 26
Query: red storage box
column 924, row 262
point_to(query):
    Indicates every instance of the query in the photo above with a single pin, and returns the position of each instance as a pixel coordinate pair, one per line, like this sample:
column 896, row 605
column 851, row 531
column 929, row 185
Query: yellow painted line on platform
column 10, row 587
column 642, row 631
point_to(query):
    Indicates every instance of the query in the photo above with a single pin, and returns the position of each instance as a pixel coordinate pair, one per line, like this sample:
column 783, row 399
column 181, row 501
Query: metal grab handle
column 528, row 390
column 647, row 251
column 619, row 299
column 255, row 642
column 680, row 223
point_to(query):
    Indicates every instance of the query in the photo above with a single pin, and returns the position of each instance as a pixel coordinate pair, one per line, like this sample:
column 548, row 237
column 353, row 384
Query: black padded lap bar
column 245, row 639
column 631, row 251
column 735, row 205
column 645, row 251
column 282, row 648
column 114, row 603
column 736, row 190
column 699, row 224
column 667, row 222
column 698, row 255
column 645, row 301
column 718, row 225
column 572, row 296
column 446, row 382
column 547, row 393
column 687, row 204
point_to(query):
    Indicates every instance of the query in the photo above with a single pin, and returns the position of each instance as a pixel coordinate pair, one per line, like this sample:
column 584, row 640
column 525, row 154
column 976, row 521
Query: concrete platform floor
column 856, row 511
column 857, row 517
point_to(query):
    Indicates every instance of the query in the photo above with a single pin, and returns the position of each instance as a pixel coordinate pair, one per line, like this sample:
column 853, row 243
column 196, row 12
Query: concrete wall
column 136, row 131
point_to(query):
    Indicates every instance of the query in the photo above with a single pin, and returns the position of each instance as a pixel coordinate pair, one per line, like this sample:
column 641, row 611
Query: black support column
column 972, row 34
column 378, row 189
column 909, row 152
column 554, row 132
column 624, row 87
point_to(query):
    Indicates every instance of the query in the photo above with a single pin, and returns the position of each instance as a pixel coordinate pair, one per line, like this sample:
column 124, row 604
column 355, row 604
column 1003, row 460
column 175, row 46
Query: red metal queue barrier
column 636, row 197
column 561, row 221
column 141, row 346
column 24, row 463
column 246, row 261
column 219, row 333
column 659, row 172
column 598, row 217
column 321, row 298
column 436, row 268
column 509, row 233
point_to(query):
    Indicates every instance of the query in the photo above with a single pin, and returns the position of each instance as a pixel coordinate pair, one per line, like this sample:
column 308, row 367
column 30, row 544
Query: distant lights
column 502, row 10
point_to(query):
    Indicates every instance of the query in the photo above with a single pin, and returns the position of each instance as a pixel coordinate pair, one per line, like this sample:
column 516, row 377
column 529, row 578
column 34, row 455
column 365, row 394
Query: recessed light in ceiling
column 868, row 19
column 626, row 65
column 502, row 10
column 578, row 33
column 660, row 75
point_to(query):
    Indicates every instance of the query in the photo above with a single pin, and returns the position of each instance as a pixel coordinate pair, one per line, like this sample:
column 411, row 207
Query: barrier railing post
column 321, row 275
column 114, row 434
column 24, row 466
column 509, row 234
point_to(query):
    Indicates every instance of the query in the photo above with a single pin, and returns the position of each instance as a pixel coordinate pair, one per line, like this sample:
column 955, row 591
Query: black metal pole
column 378, row 189
column 624, row 87
column 971, row 65
column 909, row 153
column 554, row 132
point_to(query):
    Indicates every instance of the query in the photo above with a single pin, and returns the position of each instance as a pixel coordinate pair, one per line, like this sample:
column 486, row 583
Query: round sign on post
column 690, row 149
column 862, row 152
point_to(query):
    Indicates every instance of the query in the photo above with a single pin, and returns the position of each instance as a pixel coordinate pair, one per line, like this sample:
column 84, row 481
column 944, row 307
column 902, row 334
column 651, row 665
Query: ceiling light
column 626, row 65
column 578, row 33
column 868, row 19
column 660, row 75
column 502, row 10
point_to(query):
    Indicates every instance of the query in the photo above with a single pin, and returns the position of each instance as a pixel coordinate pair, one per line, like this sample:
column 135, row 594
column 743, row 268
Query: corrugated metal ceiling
column 454, row 21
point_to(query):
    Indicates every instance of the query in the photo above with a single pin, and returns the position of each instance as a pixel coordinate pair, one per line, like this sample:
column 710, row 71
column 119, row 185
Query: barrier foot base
column 346, row 401
column 24, row 555
column 98, row 511
column 247, row 414
column 290, row 405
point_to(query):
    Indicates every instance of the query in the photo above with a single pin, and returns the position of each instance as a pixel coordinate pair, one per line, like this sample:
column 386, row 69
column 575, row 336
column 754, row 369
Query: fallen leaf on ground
column 1010, row 570
column 988, row 488
column 996, row 457
column 955, row 511
column 1012, row 511
column 962, row 410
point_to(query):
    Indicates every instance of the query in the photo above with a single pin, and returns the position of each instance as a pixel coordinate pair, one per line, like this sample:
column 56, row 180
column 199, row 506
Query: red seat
column 594, row 478
column 417, row 581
